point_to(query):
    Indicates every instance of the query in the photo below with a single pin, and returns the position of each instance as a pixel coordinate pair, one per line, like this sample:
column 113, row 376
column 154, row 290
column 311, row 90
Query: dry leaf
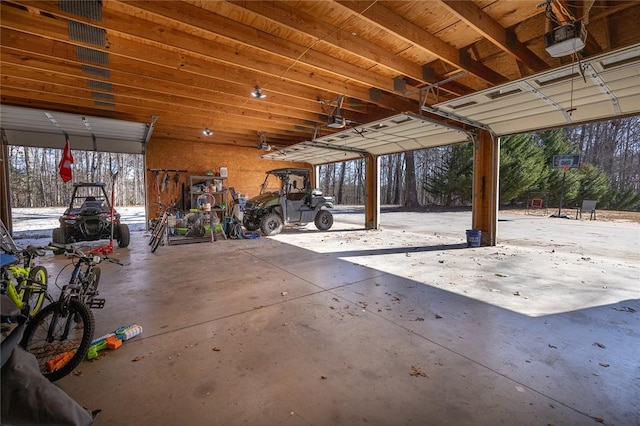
column 216, row 349
column 138, row 358
column 417, row 371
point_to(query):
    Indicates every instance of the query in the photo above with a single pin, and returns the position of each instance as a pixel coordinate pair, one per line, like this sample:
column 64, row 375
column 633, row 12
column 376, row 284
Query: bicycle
column 60, row 335
column 25, row 285
column 159, row 230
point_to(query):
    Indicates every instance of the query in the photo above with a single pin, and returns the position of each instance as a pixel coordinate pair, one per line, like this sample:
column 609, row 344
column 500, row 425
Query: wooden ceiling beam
column 192, row 17
column 141, row 40
column 488, row 28
column 48, row 90
column 384, row 18
column 129, row 70
column 33, row 79
column 20, row 63
column 322, row 32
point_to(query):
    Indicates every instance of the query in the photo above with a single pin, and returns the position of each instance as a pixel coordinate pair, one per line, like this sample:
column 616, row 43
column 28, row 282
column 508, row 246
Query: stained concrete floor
column 404, row 325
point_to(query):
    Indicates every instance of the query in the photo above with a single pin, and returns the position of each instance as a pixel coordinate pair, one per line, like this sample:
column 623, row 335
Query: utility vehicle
column 286, row 197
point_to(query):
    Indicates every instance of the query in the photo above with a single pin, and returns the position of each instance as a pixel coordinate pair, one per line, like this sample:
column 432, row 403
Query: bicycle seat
column 6, row 260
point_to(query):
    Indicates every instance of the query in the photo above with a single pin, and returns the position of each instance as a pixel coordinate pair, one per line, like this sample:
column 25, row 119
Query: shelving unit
column 215, row 197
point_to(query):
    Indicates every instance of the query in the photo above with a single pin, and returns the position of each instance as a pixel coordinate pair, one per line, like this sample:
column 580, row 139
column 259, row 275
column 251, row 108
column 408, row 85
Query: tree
column 452, row 182
column 523, row 168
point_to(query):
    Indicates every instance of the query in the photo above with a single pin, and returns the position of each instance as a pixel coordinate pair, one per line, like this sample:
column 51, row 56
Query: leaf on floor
column 419, row 319
column 603, row 364
column 417, row 371
column 215, row 349
column 138, row 358
column 600, row 345
column 501, row 275
column 438, row 316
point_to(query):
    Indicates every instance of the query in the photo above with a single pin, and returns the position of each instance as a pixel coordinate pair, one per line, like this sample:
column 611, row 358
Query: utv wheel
column 123, row 235
column 57, row 236
column 251, row 225
column 324, row 220
column 271, row 224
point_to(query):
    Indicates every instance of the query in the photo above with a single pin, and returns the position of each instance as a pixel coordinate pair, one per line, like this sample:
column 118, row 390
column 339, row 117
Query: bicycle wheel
column 59, row 338
column 38, row 284
column 158, row 240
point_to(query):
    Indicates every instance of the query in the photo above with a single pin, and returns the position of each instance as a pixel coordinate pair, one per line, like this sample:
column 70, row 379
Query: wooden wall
column 245, row 168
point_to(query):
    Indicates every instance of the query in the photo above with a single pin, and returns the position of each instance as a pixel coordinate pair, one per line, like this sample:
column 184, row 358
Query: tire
column 323, row 220
column 80, row 322
column 36, row 298
column 251, row 225
column 123, row 235
column 271, row 224
column 158, row 239
column 58, row 237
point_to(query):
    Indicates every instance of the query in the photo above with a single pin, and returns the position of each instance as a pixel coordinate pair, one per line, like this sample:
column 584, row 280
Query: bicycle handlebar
column 91, row 257
column 34, row 251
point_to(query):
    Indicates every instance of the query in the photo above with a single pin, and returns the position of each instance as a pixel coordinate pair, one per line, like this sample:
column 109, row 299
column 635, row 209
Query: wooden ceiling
column 192, row 64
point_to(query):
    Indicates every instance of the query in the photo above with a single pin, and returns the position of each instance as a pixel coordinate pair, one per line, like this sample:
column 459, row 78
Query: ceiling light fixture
column 207, row 132
column 257, row 93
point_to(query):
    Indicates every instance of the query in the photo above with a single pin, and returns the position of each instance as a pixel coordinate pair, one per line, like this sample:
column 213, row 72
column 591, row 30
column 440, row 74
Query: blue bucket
column 474, row 236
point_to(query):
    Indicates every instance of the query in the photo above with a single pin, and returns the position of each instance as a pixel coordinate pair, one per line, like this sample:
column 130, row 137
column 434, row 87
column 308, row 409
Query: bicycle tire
column 154, row 231
column 36, row 298
column 161, row 232
column 78, row 339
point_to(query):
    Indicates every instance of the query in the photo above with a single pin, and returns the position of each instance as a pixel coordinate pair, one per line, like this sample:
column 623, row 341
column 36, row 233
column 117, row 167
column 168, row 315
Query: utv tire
column 324, row 220
column 123, row 234
column 57, row 236
column 271, row 224
column 251, row 225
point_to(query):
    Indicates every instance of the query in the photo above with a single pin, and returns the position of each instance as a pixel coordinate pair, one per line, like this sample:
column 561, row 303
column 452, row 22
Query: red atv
column 89, row 217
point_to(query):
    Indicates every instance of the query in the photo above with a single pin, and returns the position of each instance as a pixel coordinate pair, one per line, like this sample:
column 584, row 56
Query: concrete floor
column 400, row 326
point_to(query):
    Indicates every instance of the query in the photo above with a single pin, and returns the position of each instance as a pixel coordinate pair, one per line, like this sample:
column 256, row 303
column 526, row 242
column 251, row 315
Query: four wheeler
column 90, row 217
column 286, row 197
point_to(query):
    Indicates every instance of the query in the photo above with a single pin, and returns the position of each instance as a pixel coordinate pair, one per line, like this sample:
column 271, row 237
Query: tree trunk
column 411, row 191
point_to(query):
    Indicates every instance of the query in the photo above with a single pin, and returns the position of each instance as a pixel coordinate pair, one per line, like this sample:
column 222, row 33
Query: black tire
column 122, row 231
column 158, row 239
column 58, row 237
column 271, row 224
column 323, row 220
column 78, row 319
column 251, row 225
column 36, row 298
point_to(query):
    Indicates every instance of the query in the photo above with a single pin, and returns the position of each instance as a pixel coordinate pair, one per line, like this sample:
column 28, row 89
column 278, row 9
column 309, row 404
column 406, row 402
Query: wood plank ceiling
column 193, row 63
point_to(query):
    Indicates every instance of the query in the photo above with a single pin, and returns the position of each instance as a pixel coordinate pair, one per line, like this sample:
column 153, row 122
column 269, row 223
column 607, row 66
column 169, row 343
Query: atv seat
column 92, row 204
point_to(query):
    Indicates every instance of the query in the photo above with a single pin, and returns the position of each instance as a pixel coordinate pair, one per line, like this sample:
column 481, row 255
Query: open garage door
column 47, row 129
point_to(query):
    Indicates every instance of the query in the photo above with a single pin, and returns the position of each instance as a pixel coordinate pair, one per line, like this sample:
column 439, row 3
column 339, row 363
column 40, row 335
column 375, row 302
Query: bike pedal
column 97, row 303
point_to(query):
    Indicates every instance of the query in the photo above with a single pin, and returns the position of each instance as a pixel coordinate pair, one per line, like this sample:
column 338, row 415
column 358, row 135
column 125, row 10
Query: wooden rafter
column 381, row 16
column 487, row 27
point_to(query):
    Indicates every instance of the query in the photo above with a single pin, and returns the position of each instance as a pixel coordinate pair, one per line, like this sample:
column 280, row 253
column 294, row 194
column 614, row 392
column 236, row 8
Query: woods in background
column 35, row 182
column 610, row 171
column 442, row 176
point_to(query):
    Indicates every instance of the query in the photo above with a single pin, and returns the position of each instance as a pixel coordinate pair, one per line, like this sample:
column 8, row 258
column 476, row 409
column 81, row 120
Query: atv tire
column 271, row 224
column 123, row 234
column 58, row 237
column 251, row 225
column 324, row 220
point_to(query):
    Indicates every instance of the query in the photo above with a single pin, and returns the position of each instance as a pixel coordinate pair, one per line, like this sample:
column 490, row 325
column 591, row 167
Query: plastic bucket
column 474, row 236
